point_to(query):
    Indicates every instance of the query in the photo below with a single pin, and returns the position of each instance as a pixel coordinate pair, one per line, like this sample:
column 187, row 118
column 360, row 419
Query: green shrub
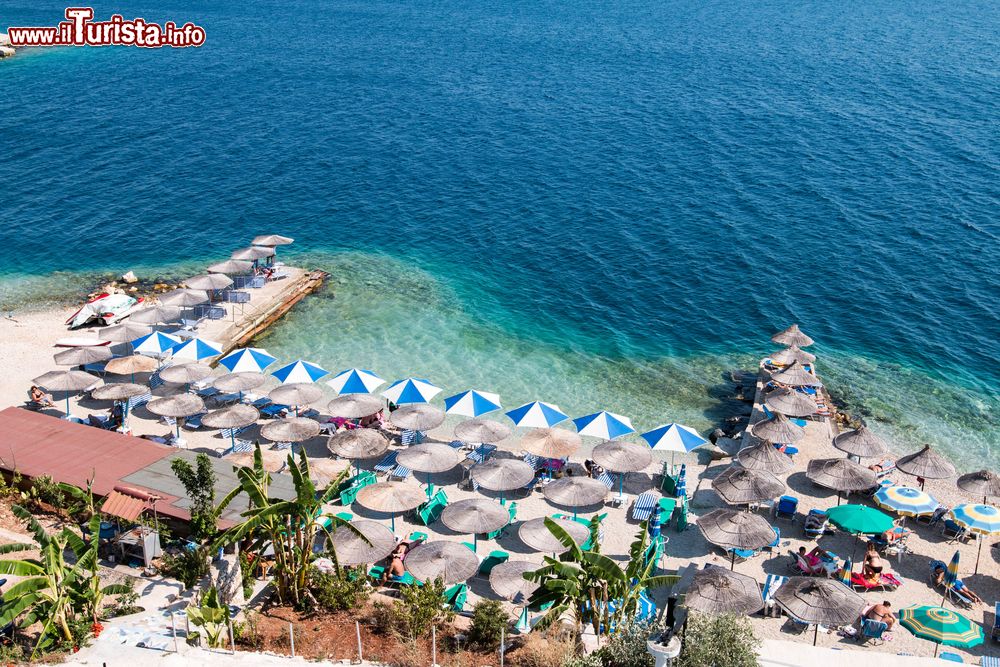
column 199, row 484
column 246, row 575
column 44, row 489
column 247, row 633
column 591, row 660
column 412, row 617
column 338, row 591
column 489, row 620
column 627, row 647
column 718, row 640
column 188, row 567
column 125, row 603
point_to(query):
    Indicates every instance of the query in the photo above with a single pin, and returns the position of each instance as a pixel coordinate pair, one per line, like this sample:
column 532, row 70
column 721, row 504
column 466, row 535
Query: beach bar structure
column 35, row 444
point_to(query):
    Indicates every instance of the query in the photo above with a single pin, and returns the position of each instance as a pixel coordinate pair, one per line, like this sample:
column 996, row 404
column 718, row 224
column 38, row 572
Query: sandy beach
column 29, row 339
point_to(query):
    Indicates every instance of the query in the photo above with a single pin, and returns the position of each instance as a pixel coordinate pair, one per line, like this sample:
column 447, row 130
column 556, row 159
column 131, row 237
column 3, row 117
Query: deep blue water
column 598, row 204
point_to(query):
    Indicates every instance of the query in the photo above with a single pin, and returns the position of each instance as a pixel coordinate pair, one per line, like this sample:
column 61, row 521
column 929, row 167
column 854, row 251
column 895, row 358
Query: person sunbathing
column 38, row 396
column 815, row 523
column 882, row 612
column 873, row 566
column 395, row 568
column 896, row 533
column 959, row 585
column 814, row 559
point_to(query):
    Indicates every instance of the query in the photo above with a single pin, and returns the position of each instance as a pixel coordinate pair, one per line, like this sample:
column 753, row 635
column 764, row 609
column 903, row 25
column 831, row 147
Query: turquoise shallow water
column 604, row 207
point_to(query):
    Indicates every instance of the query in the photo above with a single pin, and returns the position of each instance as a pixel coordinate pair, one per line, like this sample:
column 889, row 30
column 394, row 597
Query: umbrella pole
column 67, row 405
column 838, row 498
column 393, row 523
column 621, row 483
column 936, row 647
column 815, row 634
column 475, row 542
column 979, row 553
column 732, row 560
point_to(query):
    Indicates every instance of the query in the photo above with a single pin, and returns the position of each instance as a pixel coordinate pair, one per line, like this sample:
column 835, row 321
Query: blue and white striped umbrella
column 905, row 500
column 299, row 371
column 155, row 344
column 674, row 438
column 196, row 349
column 472, row 403
column 604, row 425
column 355, row 381
column 537, row 415
column 247, row 360
column 411, row 390
column 977, row 518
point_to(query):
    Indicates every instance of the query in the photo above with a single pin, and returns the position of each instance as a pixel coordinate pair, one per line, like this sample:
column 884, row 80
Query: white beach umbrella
column 196, row 349
column 155, row 344
column 298, row 372
column 604, row 425
column 472, row 403
column 247, row 360
column 411, row 390
column 537, row 415
column 355, row 381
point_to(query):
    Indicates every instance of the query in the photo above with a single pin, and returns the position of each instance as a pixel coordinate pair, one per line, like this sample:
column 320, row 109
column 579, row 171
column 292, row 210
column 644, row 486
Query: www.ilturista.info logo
column 79, row 29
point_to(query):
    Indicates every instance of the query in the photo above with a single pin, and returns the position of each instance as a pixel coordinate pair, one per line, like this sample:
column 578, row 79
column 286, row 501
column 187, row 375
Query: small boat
column 81, row 341
column 104, row 309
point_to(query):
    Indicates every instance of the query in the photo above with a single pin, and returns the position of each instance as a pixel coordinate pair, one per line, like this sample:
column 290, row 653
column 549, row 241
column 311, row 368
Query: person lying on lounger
column 40, row 397
column 814, row 559
column 939, row 572
column 882, row 612
column 395, row 568
column 896, row 533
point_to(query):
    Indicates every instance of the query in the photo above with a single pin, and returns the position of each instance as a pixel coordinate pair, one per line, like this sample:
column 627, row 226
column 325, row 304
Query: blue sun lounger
column 642, row 509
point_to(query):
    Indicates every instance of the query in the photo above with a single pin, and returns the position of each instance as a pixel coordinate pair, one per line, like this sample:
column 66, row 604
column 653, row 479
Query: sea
column 602, row 205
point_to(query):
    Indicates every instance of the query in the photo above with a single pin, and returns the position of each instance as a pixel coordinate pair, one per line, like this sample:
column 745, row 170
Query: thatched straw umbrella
column 981, row 483
column 271, row 240
column 243, row 381
column 815, row 601
column 498, row 474
column 430, row 457
column 790, row 402
column 390, row 497
column 80, row 356
column 234, row 416
column 156, row 315
column 926, row 464
column 622, row 456
column 475, row 516
column 251, row 253
column 137, row 363
column 355, row 406
column 358, row 443
column 551, row 443
column 841, row 474
column 209, row 281
column 296, row 393
column 732, row 529
column 417, row 417
column 482, row 430
column 796, row 376
column 450, row 561
column 778, row 429
column 186, row 373
column 536, row 534
column 791, row 355
column 291, row 429
column 118, row 391
column 861, row 442
column 231, row 266
column 124, row 332
column 69, row 382
column 764, row 456
column 575, row 492
column 507, row 580
column 177, row 407
column 739, row 486
column 713, row 590
column 374, row 543
column 792, row 336
column 184, row 297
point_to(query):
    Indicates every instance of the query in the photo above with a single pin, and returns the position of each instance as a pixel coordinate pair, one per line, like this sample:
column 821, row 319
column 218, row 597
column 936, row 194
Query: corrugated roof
column 123, row 505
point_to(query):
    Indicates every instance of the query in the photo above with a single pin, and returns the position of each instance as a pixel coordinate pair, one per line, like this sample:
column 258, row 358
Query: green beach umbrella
column 860, row 519
column 941, row 626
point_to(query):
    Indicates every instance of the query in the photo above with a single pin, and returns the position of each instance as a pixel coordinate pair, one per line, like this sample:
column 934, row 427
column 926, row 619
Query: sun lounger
column 797, row 422
column 887, row 582
column 274, row 410
column 642, row 509
column 532, row 460
column 771, row 584
column 995, row 632
column 786, row 507
column 400, row 472
column 950, row 657
column 954, row 531
column 871, row 630
column 238, row 447
column 387, row 463
column 408, row 437
column 607, row 480
column 990, row 661
column 481, row 453
column 193, row 423
column 136, row 401
column 951, row 592
column 232, row 432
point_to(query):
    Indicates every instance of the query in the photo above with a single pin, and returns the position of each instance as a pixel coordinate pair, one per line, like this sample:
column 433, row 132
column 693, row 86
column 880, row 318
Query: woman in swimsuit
column 872, row 568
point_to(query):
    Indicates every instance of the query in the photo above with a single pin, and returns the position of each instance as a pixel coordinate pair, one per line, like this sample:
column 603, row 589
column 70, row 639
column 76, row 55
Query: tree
column 211, row 616
column 54, row 592
column 199, row 484
column 718, row 640
column 290, row 526
column 586, row 582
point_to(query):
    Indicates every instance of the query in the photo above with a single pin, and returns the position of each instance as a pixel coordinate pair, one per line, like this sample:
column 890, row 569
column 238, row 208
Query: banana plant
column 211, row 616
column 53, row 591
column 290, row 526
column 593, row 587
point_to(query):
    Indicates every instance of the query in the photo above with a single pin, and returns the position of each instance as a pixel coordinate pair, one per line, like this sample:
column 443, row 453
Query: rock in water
column 129, row 278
